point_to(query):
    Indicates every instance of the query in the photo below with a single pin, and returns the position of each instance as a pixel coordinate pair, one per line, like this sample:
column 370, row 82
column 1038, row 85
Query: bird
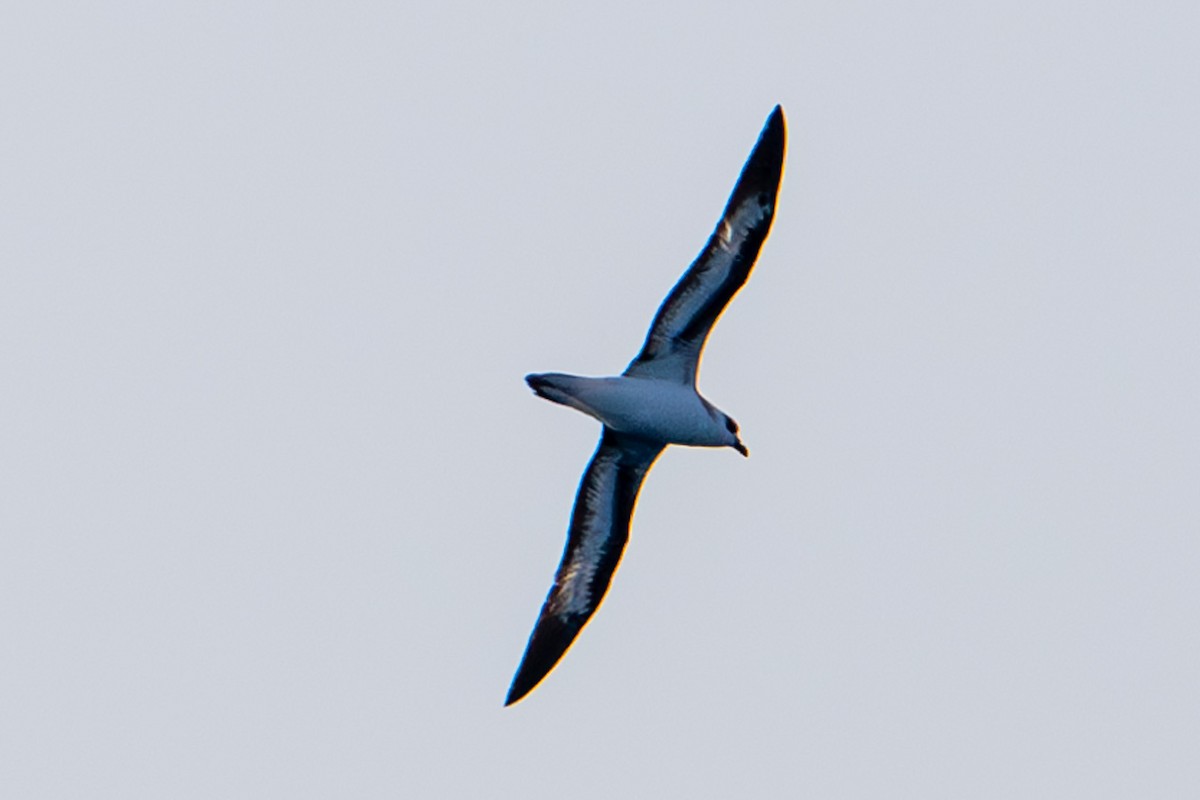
column 652, row 404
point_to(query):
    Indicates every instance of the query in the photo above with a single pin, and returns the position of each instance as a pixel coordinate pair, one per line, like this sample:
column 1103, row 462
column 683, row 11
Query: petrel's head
column 736, row 444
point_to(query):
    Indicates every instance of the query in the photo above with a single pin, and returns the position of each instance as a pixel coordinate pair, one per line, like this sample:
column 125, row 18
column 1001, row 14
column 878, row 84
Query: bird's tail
column 553, row 386
column 558, row 387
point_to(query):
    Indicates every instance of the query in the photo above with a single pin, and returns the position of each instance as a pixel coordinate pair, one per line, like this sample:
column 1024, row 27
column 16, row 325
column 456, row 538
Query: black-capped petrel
column 653, row 403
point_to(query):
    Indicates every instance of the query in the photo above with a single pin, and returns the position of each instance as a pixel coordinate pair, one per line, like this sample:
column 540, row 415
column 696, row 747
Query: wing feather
column 682, row 324
column 596, row 539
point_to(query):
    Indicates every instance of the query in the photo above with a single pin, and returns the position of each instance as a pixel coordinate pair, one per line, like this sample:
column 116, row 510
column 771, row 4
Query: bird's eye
column 731, row 425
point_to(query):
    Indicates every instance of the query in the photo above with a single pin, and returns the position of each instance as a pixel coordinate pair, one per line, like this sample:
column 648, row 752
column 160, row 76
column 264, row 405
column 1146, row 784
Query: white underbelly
column 657, row 410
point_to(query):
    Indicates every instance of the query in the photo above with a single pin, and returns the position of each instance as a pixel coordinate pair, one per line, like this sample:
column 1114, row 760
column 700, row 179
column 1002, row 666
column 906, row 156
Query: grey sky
column 279, row 511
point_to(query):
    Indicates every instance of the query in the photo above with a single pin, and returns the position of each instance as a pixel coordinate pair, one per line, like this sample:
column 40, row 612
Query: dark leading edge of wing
column 676, row 337
column 599, row 529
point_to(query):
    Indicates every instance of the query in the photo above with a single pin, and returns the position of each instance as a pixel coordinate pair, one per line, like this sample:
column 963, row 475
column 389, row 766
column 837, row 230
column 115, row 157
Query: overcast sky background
column 278, row 512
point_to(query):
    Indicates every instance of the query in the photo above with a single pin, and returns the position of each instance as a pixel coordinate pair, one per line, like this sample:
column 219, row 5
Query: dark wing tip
column 551, row 638
column 764, row 167
column 776, row 130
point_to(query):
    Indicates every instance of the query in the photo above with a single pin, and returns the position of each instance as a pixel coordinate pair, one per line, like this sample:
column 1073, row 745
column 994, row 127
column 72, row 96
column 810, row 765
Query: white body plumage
column 661, row 411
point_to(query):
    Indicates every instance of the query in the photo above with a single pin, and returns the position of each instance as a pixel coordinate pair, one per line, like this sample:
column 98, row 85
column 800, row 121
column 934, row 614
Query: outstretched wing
column 676, row 337
column 599, row 530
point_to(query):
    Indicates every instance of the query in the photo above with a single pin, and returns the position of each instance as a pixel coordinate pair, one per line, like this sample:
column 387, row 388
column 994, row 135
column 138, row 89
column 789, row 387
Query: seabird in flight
column 653, row 403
